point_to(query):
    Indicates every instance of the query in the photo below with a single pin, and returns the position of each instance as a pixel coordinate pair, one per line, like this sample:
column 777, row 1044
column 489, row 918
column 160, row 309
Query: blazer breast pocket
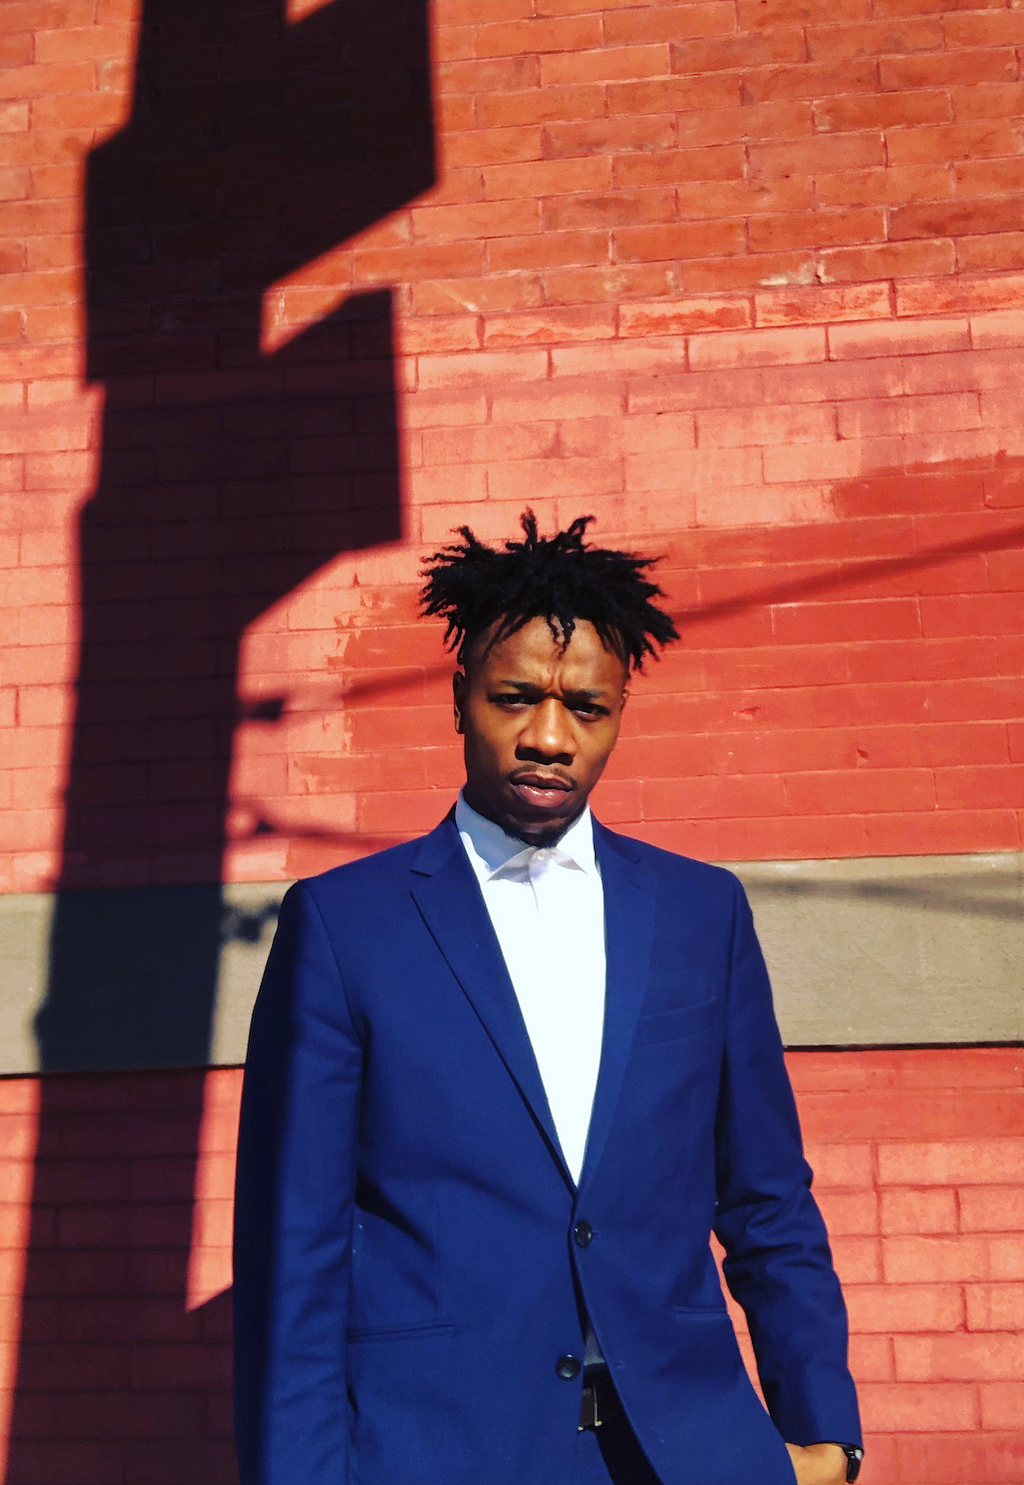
column 685, row 1020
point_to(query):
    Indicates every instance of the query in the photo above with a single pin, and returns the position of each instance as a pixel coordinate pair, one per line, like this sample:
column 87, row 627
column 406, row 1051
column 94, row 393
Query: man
column 503, row 1082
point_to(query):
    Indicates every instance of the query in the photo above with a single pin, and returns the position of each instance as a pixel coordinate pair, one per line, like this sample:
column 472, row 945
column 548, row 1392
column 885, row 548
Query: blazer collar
column 629, row 914
column 451, row 903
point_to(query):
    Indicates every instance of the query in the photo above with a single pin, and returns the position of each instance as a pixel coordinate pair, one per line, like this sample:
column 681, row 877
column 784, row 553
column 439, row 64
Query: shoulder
column 372, row 877
column 680, row 872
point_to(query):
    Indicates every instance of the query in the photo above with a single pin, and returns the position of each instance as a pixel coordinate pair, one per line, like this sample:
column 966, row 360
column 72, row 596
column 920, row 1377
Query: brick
column 676, row 240
column 916, row 1407
column 589, row 137
column 992, row 1208
column 910, row 1211
column 847, row 1166
column 668, row 23
column 896, row 259
column 959, row 1358
column 589, row 398
column 550, row 326
column 818, row 305
column 540, row 106
column 954, row 1162
column 610, row 209
column 769, row 347
column 681, row 316
column 919, row 1260
column 619, row 282
column 1002, row 1404
column 734, row 126
column 767, row 14
column 822, row 155
column 873, row 38
column 812, row 80
column 944, row 296
column 608, row 63
column 991, row 252
column 984, row 28
column 953, row 67
column 904, row 1308
column 771, row 233
column 988, row 101
column 949, row 142
column 547, row 250
column 547, row 177
column 883, row 418
column 871, row 1358
column 953, row 219
column 802, row 424
column 883, row 187
column 995, row 1307
column 993, row 331
column 882, row 111
column 465, row 370
column 1006, row 1257
column 671, row 167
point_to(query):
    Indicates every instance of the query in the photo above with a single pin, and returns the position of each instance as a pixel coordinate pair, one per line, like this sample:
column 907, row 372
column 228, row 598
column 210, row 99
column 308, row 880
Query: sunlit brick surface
column 124, row 1372
column 744, row 279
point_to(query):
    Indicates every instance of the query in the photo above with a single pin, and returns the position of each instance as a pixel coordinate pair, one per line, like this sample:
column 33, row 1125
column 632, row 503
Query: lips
column 541, row 791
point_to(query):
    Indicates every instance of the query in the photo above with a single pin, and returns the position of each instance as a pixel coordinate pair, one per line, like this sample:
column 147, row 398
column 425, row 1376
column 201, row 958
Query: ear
column 459, row 698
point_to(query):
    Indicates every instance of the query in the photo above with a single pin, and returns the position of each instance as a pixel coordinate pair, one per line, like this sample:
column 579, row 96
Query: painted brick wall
column 744, row 279
column 125, row 1358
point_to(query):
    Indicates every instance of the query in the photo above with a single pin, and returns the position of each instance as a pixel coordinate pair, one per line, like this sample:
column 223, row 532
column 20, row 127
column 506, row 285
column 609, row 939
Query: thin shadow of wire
column 848, row 574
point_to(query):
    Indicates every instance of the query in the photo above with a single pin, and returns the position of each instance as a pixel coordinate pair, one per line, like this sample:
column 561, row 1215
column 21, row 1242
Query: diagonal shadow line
column 271, row 709
column 909, row 895
column 868, row 570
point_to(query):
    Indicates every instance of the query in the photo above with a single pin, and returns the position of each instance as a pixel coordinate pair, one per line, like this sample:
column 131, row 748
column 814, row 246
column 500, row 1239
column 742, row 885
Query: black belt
column 600, row 1402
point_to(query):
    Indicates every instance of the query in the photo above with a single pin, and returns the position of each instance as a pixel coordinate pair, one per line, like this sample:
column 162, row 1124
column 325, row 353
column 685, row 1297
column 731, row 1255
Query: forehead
column 532, row 655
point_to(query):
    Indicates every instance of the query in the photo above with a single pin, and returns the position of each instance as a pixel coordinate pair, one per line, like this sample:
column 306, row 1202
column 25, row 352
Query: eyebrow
column 576, row 693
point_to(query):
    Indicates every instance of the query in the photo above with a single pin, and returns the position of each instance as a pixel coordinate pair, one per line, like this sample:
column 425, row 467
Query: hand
column 818, row 1464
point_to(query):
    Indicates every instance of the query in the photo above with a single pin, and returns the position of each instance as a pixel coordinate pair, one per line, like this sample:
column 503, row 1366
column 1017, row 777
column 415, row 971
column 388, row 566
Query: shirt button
column 583, row 1233
column 568, row 1368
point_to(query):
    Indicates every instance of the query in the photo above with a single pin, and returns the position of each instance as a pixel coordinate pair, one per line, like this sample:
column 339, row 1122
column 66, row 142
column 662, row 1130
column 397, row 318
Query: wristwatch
column 854, row 1457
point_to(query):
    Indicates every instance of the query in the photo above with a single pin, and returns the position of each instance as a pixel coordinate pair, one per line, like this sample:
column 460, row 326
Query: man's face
column 540, row 723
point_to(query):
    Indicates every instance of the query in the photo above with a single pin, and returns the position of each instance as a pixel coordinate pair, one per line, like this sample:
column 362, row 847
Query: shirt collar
column 490, row 849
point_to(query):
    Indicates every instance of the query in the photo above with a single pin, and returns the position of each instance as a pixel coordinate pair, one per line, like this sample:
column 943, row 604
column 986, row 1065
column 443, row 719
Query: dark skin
column 540, row 719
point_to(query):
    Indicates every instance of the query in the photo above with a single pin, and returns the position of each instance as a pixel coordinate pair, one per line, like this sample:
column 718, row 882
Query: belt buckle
column 594, row 1420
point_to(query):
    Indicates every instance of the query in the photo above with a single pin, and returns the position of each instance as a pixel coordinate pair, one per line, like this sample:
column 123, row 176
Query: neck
column 539, row 834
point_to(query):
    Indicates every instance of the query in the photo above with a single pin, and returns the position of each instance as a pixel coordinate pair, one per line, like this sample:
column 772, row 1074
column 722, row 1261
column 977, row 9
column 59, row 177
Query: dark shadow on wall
column 227, row 478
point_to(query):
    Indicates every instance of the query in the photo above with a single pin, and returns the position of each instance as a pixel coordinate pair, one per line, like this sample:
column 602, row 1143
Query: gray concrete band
column 864, row 952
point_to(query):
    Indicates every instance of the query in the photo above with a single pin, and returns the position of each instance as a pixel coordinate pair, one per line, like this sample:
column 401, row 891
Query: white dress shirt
column 546, row 904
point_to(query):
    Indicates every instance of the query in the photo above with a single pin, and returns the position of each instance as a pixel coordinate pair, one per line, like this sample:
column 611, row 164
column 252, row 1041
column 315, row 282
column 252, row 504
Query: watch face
column 853, row 1463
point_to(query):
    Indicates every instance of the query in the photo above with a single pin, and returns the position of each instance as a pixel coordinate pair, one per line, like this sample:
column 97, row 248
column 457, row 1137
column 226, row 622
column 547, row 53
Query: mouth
column 540, row 791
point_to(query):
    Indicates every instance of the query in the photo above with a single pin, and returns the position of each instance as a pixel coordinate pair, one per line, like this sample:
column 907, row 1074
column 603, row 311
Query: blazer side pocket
column 399, row 1332
column 685, row 1020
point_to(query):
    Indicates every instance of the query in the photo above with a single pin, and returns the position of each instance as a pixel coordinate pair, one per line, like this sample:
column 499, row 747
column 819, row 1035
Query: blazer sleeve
column 778, row 1264
column 293, row 1211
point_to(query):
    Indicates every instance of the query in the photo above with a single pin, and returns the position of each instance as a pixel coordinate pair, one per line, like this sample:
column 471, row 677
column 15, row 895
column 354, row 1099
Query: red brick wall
column 743, row 283
column 125, row 1357
column 745, row 280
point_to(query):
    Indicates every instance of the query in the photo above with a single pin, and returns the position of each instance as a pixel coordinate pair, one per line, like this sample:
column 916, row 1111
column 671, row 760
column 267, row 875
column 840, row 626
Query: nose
column 548, row 735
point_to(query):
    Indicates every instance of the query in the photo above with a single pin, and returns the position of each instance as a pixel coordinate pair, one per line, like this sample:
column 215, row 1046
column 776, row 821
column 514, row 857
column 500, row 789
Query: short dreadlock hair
column 560, row 578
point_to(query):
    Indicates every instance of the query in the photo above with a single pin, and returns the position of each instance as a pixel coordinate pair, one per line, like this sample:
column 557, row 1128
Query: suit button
column 568, row 1368
column 583, row 1232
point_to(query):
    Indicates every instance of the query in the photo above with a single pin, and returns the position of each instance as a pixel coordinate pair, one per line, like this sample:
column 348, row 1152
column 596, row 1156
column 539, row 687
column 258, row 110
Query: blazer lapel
column 449, row 899
column 629, row 910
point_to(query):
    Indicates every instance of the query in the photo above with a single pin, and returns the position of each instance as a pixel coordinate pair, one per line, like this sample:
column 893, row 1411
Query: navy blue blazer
column 406, row 1277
